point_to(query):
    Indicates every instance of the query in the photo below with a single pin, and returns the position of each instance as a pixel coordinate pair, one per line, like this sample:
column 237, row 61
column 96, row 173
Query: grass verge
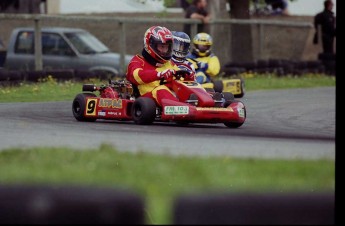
column 50, row 90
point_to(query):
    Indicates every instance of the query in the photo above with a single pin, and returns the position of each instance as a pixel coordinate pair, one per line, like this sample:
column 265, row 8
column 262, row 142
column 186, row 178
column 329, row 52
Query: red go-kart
column 119, row 100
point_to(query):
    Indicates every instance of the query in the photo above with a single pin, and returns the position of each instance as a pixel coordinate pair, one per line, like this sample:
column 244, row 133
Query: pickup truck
column 62, row 48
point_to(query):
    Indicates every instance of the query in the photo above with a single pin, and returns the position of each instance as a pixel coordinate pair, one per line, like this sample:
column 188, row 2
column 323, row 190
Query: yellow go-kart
column 235, row 85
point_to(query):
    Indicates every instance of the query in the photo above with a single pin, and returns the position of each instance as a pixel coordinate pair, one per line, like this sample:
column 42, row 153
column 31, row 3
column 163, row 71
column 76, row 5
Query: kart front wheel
column 144, row 111
column 241, row 113
column 229, row 98
column 233, row 124
column 79, row 106
column 218, row 86
column 182, row 123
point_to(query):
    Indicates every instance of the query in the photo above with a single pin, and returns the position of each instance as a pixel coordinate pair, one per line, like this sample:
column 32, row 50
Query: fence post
column 194, row 30
column 261, row 40
column 122, row 47
column 38, row 45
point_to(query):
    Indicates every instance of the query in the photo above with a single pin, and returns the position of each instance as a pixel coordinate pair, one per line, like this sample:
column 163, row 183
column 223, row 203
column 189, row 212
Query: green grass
column 265, row 82
column 46, row 90
column 161, row 178
column 51, row 90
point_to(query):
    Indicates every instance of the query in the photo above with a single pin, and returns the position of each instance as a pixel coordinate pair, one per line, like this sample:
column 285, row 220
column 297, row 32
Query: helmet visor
column 203, row 48
column 180, row 48
column 163, row 50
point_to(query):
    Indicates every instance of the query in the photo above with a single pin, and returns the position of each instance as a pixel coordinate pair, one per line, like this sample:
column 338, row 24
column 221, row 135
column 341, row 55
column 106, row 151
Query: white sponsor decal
column 241, row 112
column 114, row 113
column 176, row 110
column 101, row 113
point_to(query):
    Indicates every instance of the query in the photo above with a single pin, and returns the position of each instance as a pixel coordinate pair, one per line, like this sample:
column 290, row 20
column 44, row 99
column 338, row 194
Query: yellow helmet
column 202, row 44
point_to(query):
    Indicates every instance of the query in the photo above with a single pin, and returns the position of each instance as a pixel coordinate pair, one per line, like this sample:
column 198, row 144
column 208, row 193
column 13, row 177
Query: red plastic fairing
column 185, row 89
column 178, row 111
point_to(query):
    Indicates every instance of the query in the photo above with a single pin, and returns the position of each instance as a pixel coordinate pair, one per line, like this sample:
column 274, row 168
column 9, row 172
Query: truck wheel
column 218, row 86
column 144, row 111
column 79, row 105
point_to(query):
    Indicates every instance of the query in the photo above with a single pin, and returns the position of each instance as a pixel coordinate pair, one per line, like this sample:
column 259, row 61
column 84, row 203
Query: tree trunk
column 241, row 34
column 220, row 33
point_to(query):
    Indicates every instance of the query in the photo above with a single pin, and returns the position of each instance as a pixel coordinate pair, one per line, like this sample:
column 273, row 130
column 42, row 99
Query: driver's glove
column 189, row 75
column 202, row 66
column 167, row 74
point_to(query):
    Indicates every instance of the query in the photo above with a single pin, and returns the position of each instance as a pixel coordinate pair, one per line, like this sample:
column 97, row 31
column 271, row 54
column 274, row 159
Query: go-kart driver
column 206, row 64
column 181, row 48
column 147, row 70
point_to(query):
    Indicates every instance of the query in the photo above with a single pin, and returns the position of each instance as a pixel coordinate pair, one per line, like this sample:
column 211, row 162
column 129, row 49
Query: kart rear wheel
column 218, row 86
column 243, row 90
column 144, row 111
column 79, row 106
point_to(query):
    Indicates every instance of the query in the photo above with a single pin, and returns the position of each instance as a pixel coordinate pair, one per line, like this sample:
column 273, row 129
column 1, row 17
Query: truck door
column 57, row 54
column 22, row 57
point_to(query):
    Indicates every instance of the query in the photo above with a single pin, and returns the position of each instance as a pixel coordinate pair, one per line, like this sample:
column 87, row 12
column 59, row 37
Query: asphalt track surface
column 285, row 124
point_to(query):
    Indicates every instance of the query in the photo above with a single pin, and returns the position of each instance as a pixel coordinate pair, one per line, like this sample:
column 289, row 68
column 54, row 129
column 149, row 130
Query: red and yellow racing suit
column 143, row 74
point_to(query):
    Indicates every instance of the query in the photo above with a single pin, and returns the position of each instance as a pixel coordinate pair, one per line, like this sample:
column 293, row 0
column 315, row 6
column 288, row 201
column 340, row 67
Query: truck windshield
column 86, row 43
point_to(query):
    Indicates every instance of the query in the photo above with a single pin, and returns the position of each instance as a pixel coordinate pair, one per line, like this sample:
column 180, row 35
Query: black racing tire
column 233, row 124
column 243, row 89
column 79, row 105
column 34, row 76
column 143, row 111
column 182, row 123
column 218, row 86
column 236, row 124
column 61, row 74
column 229, row 98
column 209, row 90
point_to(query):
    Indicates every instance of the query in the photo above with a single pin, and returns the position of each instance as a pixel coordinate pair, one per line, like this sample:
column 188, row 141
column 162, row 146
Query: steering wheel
column 182, row 73
column 178, row 75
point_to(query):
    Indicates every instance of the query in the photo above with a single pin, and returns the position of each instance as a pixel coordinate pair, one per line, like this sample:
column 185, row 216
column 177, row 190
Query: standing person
column 154, row 64
column 181, row 49
column 197, row 10
column 207, row 65
column 184, row 4
column 326, row 20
